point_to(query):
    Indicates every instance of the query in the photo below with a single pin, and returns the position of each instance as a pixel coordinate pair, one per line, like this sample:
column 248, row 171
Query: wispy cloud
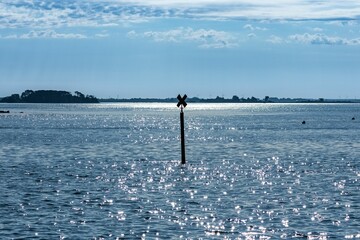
column 102, row 35
column 259, row 9
column 204, row 38
column 251, row 35
column 50, row 13
column 275, row 39
column 253, row 28
column 87, row 13
column 343, row 23
column 317, row 29
column 45, row 34
column 323, row 39
column 313, row 39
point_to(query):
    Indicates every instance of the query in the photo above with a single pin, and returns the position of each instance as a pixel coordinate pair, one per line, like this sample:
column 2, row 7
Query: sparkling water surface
column 112, row 171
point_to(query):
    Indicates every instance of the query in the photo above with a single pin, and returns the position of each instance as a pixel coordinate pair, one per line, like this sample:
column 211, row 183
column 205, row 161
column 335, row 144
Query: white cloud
column 251, row 35
column 204, row 38
column 132, row 34
column 219, row 39
column 274, row 10
column 49, row 13
column 101, row 35
column 323, row 39
column 275, row 39
column 249, row 27
column 315, row 39
column 46, row 34
column 317, row 29
column 343, row 23
column 252, row 28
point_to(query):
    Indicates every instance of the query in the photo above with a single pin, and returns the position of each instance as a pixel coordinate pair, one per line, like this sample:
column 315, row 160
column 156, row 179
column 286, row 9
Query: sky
column 160, row 48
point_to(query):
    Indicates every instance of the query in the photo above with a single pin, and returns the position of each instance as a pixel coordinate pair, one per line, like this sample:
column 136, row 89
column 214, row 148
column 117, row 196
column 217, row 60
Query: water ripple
column 107, row 172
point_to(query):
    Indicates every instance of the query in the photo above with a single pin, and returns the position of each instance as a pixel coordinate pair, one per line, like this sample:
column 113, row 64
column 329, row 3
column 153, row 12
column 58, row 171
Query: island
column 49, row 96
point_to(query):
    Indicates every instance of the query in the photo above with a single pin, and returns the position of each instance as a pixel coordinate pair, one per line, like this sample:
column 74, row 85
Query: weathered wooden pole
column 183, row 158
column 182, row 104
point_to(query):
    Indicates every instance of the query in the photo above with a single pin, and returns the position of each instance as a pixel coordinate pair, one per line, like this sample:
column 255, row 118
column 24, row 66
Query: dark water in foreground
column 112, row 171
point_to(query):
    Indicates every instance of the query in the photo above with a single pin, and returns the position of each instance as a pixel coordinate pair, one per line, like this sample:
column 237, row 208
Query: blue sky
column 205, row 48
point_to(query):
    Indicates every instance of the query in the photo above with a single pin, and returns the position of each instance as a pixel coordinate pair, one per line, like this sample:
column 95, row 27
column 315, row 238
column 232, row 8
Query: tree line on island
column 49, row 96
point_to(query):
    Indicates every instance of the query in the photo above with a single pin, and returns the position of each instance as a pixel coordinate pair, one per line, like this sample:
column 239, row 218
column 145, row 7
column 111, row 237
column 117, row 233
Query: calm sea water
column 108, row 171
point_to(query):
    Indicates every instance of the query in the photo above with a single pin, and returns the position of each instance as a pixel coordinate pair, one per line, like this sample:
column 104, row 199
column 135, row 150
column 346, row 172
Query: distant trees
column 50, row 96
column 219, row 99
column 14, row 98
column 235, row 98
column 254, row 99
column 79, row 95
column 26, row 94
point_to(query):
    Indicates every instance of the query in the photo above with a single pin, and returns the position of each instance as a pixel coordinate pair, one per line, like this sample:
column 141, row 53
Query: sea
column 113, row 171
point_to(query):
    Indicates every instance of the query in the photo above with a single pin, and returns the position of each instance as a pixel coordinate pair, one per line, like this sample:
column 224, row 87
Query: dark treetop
column 49, row 96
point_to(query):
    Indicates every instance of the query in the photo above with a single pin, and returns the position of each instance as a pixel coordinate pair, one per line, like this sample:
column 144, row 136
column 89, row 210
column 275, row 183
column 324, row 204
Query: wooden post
column 182, row 104
column 183, row 158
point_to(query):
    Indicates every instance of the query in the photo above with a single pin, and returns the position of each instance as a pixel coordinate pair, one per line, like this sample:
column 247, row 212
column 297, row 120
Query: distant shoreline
column 224, row 100
column 53, row 96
